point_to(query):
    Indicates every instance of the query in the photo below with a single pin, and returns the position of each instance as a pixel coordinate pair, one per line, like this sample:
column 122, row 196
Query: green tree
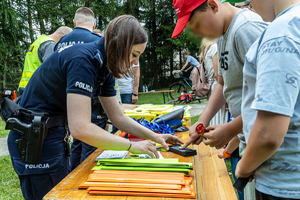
column 12, row 43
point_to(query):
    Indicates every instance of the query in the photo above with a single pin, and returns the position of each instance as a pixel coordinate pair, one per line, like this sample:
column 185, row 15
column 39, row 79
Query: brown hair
column 63, row 30
column 120, row 35
column 186, row 53
column 97, row 31
column 202, row 8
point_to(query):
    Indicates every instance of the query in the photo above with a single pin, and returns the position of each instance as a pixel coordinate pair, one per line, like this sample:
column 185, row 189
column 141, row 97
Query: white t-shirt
column 208, row 63
column 126, row 83
column 272, row 84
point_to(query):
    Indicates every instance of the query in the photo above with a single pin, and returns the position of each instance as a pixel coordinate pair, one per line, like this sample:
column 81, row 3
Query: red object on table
column 200, row 129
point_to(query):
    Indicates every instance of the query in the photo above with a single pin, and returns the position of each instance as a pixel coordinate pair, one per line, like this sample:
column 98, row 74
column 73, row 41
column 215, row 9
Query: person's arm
column 45, row 50
column 214, row 104
column 184, row 66
column 136, row 81
column 265, row 138
column 221, row 134
column 232, row 145
column 125, row 123
column 215, row 64
column 190, row 68
column 81, row 128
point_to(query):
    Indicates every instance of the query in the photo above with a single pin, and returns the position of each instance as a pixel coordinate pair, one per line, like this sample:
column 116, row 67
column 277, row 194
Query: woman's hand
column 163, row 139
column 134, row 99
column 144, row 147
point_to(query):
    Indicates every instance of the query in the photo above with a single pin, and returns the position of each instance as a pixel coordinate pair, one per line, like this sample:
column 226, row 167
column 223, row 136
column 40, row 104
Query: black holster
column 32, row 125
column 30, row 145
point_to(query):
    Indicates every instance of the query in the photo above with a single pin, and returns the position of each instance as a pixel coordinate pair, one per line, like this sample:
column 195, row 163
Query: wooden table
column 165, row 93
column 210, row 177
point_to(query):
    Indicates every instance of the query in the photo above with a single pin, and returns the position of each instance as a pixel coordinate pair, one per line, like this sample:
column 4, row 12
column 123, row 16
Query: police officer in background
column 64, row 85
column 39, row 51
column 98, row 31
column 84, row 23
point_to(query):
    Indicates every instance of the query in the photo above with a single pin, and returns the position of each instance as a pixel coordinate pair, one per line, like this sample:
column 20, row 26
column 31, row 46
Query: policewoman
column 64, row 85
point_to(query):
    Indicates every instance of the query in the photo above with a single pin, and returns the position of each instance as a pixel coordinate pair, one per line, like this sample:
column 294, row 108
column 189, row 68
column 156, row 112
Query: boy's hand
column 220, row 153
column 219, row 137
column 194, row 137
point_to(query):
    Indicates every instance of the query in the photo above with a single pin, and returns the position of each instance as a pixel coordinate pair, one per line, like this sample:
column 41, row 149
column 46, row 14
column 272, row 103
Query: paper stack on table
column 136, row 183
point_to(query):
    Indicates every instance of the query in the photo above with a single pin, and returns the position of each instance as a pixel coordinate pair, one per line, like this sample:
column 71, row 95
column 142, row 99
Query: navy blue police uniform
column 80, row 150
column 78, row 69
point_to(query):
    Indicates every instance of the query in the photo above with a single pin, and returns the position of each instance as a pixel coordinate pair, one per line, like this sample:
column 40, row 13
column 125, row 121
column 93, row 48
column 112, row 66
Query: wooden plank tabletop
column 210, row 177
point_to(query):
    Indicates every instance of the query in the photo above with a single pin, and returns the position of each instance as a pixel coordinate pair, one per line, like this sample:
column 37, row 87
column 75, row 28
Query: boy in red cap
column 237, row 30
column 271, row 103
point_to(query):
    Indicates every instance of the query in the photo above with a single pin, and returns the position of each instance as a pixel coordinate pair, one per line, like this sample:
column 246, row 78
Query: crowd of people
column 250, row 52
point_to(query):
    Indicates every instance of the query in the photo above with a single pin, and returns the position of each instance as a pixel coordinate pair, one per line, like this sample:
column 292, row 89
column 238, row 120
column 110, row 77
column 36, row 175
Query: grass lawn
column 9, row 181
column 157, row 98
column 3, row 132
column 10, row 185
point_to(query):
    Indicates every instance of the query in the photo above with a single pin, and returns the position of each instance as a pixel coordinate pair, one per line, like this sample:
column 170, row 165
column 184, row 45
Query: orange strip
column 171, row 174
column 136, row 180
column 130, row 185
column 145, row 194
column 184, row 190
column 188, row 180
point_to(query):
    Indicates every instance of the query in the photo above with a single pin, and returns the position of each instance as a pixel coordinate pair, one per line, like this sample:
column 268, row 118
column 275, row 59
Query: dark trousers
column 35, row 187
column 262, row 196
column 126, row 98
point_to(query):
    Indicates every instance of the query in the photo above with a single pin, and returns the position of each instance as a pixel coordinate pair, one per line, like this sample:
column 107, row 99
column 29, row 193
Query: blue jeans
column 126, row 98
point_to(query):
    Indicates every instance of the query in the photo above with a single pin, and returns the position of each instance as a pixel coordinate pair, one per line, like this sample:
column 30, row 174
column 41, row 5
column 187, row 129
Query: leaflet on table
column 109, row 154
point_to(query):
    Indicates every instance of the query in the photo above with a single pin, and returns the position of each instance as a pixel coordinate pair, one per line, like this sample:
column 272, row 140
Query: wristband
column 129, row 146
column 134, row 94
column 225, row 154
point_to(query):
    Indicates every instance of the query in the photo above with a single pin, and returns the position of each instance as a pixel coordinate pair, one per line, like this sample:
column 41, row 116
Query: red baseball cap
column 183, row 10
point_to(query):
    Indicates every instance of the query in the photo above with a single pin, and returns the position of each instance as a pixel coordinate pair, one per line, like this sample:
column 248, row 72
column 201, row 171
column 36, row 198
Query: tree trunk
column 129, row 7
column 63, row 13
column 137, row 9
column 100, row 22
column 5, row 71
column 30, row 21
column 154, row 40
column 40, row 17
column 87, row 4
column 180, row 57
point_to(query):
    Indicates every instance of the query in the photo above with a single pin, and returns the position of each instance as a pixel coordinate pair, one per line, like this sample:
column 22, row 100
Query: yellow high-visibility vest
column 32, row 61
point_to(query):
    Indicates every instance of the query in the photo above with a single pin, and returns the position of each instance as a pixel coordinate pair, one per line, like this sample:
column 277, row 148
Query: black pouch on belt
column 8, row 108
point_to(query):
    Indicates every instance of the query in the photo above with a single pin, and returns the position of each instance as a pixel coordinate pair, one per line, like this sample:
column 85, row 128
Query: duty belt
column 50, row 121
